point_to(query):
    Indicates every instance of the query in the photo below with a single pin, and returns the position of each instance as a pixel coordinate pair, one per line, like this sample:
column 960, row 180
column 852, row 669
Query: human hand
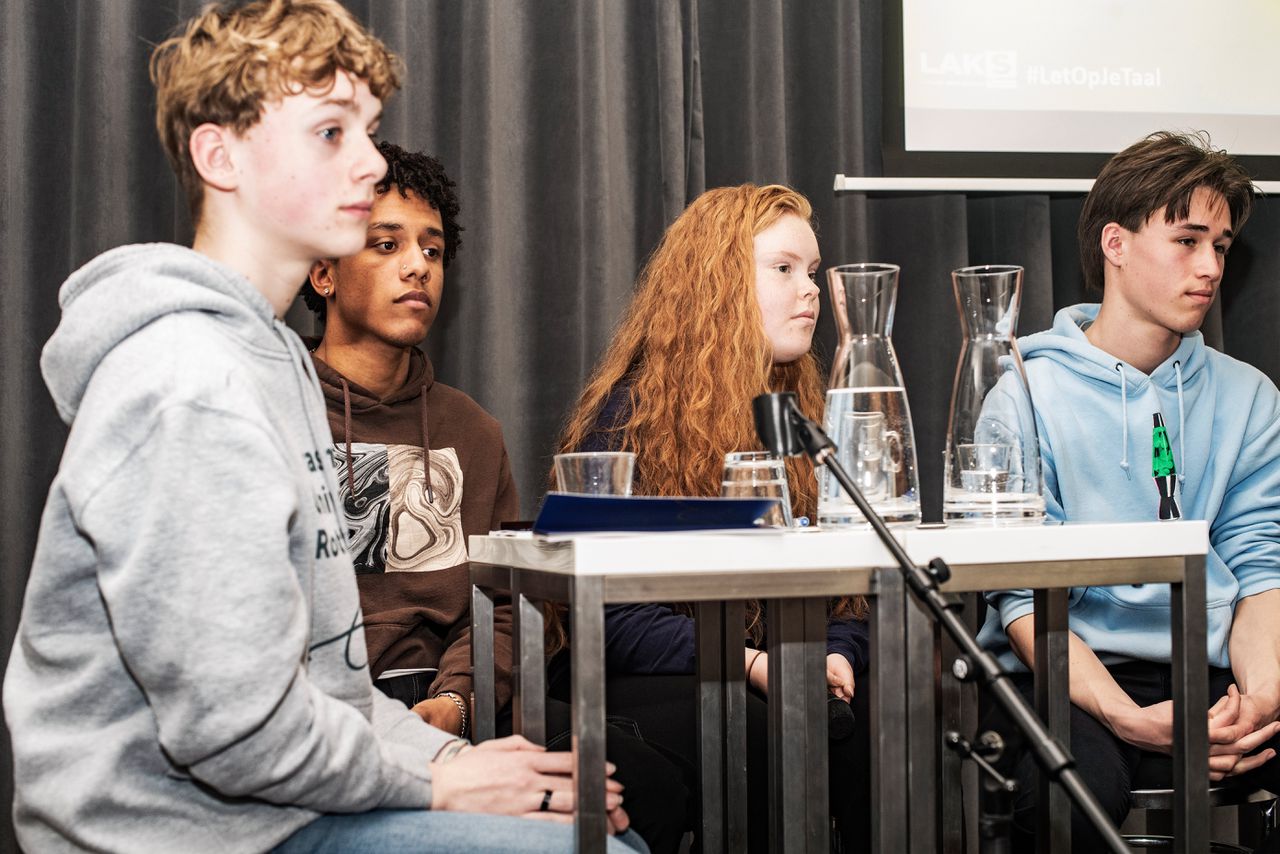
column 511, row 776
column 1151, row 728
column 1239, row 724
column 757, row 663
column 1250, row 712
column 840, row 676
column 441, row 713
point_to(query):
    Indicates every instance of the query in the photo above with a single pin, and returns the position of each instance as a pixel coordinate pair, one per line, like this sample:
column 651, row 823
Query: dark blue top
column 650, row 638
column 654, row 639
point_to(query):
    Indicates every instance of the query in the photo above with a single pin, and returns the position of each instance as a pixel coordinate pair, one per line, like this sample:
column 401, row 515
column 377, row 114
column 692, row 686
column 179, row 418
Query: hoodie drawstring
column 1124, row 421
column 346, row 434
column 1182, row 441
column 426, row 449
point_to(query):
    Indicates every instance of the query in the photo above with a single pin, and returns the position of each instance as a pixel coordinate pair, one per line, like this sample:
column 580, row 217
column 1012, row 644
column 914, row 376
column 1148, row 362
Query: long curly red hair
column 693, row 352
column 692, row 348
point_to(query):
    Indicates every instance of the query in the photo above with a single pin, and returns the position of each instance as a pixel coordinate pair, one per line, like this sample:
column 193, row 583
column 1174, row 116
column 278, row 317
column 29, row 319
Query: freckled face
column 308, row 167
column 389, row 291
column 786, row 261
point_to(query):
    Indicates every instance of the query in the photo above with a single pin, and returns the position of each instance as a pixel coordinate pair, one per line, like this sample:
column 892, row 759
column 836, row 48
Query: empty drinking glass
column 758, row 474
column 595, row 472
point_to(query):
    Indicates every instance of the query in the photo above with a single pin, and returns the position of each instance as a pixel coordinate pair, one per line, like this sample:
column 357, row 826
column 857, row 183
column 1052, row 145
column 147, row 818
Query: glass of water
column 984, row 468
column 758, row 474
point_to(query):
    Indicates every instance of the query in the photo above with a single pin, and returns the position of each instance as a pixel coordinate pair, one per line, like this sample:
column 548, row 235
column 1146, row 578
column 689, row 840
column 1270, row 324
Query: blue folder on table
column 564, row 513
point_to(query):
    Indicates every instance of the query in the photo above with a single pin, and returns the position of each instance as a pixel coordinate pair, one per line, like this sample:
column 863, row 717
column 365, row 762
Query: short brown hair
column 229, row 61
column 1162, row 171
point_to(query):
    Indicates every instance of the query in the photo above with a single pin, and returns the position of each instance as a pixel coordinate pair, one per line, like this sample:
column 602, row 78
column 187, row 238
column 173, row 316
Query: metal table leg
column 484, row 701
column 817, row 740
column 888, row 710
column 1053, row 705
column 722, row 725
column 1190, row 700
column 529, row 669
column 735, row 726
column 923, row 737
column 587, row 652
column 797, row 726
column 709, row 636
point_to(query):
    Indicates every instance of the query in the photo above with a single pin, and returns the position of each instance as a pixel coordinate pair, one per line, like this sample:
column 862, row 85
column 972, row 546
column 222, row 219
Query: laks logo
column 996, row 68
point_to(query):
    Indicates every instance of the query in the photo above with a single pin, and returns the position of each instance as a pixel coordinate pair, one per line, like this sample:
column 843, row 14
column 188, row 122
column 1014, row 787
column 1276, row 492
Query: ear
column 322, row 278
column 210, row 149
column 1115, row 243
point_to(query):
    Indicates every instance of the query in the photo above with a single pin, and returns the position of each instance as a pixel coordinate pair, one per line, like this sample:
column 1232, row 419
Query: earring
column 325, row 291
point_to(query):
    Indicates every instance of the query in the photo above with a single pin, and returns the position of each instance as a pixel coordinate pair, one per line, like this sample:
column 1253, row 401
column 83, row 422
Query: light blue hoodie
column 1094, row 419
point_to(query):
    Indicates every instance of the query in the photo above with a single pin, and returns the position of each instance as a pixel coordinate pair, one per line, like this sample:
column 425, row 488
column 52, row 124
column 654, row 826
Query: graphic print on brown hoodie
column 407, row 532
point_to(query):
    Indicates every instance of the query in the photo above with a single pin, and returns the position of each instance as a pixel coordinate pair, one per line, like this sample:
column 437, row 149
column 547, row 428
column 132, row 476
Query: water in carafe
column 867, row 415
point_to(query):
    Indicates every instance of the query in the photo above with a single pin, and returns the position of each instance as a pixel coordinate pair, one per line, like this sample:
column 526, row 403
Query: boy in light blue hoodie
column 1139, row 420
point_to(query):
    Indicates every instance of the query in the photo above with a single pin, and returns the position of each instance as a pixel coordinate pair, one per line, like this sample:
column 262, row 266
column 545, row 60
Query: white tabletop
column 804, row 550
column 960, row 545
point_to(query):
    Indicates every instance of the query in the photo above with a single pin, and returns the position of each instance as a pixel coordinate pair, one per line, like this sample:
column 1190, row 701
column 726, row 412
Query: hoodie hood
column 419, row 380
column 1066, row 344
column 124, row 290
column 356, row 401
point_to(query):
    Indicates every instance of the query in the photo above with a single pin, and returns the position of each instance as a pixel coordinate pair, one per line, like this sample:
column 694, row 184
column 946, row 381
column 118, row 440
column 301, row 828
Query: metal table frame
column 1143, row 553
column 795, row 572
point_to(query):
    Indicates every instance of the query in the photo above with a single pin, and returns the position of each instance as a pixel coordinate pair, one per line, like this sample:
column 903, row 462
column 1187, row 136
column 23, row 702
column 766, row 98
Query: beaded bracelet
column 462, row 709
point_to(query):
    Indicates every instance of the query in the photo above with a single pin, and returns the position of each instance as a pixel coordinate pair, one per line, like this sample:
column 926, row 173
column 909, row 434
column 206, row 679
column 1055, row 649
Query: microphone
column 840, row 718
column 785, row 431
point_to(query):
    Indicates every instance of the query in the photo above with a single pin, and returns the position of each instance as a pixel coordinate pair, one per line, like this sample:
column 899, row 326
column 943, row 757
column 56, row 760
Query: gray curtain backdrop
column 577, row 130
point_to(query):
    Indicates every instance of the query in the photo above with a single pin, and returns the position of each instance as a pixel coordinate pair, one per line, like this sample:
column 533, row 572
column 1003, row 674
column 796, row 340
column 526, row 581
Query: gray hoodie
column 189, row 672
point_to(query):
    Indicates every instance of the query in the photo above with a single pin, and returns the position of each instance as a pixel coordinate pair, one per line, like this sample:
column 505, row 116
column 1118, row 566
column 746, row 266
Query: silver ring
column 546, row 802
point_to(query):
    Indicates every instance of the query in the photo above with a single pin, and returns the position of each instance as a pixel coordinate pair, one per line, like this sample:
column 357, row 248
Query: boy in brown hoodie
column 421, row 467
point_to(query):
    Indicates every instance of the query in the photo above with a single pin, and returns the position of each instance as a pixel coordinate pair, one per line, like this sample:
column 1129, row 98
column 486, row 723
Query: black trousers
column 656, row 797
column 665, row 710
column 1111, row 768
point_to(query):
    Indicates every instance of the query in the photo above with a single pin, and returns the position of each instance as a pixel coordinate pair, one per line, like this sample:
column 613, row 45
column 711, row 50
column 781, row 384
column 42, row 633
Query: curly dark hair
column 423, row 174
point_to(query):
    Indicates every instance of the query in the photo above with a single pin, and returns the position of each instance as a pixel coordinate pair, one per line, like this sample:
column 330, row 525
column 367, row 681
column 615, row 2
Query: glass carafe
column 992, row 466
column 867, row 414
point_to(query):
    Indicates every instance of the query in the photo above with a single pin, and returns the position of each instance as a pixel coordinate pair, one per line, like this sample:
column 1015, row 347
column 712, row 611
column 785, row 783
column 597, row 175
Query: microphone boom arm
column 786, row 431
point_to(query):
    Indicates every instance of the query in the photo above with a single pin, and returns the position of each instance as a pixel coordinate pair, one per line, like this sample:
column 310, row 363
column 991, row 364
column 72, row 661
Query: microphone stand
column 785, row 430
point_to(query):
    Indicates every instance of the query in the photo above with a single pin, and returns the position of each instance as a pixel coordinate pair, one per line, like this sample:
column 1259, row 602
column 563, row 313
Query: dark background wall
column 577, row 130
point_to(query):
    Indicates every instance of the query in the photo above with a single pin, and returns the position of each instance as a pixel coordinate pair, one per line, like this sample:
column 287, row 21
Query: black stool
column 1228, row 794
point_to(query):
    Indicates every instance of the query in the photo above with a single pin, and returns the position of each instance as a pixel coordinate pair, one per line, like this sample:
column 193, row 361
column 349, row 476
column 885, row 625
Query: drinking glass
column 870, row 452
column 984, row 468
column 595, row 472
column 758, row 474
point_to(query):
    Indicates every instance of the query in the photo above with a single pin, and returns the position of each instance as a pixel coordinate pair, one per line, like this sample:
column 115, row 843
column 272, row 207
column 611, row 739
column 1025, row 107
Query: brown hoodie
column 407, row 533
